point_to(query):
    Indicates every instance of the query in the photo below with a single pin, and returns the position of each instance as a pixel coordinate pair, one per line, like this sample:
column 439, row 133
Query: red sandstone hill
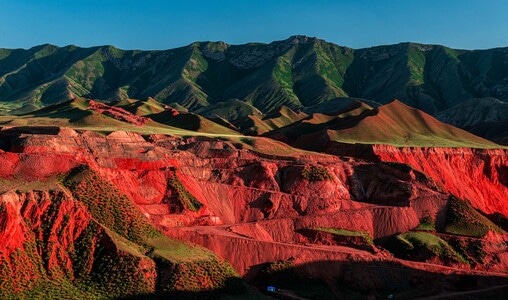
column 414, row 215
column 394, row 123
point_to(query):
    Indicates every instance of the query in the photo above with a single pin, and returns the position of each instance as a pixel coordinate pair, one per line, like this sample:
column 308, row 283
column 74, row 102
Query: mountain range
column 301, row 73
column 297, row 169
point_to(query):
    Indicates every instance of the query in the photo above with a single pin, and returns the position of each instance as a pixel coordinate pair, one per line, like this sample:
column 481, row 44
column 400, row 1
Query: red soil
column 476, row 175
column 261, row 202
column 117, row 113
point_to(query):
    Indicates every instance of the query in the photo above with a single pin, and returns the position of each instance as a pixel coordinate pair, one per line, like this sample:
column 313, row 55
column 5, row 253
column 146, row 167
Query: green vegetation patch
column 423, row 245
column 183, row 196
column 111, row 208
column 416, row 64
column 120, row 253
column 194, row 275
column 316, row 173
column 426, row 224
column 345, row 232
column 115, row 212
column 463, row 219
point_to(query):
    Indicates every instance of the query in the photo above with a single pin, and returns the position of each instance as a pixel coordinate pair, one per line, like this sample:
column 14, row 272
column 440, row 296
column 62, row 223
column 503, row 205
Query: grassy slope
column 395, row 123
column 181, row 125
column 117, row 213
column 296, row 72
column 463, row 219
column 299, row 72
column 115, row 274
column 399, row 124
column 97, row 269
column 345, row 232
column 75, row 114
column 427, row 243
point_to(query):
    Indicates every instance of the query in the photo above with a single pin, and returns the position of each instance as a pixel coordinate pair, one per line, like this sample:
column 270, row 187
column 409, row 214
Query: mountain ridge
column 298, row 73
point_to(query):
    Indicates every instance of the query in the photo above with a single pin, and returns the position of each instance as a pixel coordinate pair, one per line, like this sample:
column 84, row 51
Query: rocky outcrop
column 478, row 176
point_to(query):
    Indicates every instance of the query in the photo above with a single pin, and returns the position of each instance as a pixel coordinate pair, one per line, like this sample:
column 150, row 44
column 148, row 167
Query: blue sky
column 159, row 24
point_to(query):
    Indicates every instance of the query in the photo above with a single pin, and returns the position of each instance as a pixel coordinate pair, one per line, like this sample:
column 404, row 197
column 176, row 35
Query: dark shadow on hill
column 293, row 132
column 18, row 130
column 234, row 288
column 360, row 280
column 12, row 139
column 63, row 110
column 186, row 121
column 386, row 183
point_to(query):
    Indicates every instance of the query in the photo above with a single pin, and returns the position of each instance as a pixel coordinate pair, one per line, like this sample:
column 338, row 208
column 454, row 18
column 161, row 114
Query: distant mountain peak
column 301, row 39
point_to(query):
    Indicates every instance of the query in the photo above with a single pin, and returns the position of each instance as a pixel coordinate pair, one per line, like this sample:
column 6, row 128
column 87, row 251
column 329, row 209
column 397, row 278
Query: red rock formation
column 117, row 113
column 253, row 204
column 478, row 176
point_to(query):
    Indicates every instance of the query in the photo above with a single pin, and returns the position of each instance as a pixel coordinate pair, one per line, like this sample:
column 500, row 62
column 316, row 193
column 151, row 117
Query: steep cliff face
column 478, row 176
column 49, row 238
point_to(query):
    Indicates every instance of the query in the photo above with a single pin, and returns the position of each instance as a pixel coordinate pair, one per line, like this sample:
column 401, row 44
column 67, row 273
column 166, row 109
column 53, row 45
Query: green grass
column 56, row 290
column 7, row 107
column 426, row 224
column 118, row 252
column 416, row 64
column 195, row 66
column 183, row 196
column 114, row 210
column 346, row 232
column 117, row 213
column 463, row 219
column 283, row 74
column 413, row 242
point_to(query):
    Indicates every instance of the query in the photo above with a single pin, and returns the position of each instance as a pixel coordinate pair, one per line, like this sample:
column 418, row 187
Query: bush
column 183, row 196
column 463, row 219
column 316, row 173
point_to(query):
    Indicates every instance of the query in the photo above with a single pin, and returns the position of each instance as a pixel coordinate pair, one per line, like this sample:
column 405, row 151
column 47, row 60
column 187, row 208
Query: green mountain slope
column 299, row 72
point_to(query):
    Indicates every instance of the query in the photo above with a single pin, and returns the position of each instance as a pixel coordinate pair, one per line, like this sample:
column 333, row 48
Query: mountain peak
column 301, row 39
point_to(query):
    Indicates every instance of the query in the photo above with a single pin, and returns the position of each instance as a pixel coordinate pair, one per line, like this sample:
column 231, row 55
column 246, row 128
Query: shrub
column 426, row 224
column 316, row 173
column 183, row 196
column 463, row 219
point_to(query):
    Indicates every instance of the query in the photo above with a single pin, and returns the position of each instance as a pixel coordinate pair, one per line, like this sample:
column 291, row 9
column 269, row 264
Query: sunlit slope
column 394, row 123
column 91, row 115
column 298, row 72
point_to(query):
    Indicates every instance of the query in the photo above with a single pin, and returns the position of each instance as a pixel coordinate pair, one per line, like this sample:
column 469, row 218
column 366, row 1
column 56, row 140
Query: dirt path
column 221, row 230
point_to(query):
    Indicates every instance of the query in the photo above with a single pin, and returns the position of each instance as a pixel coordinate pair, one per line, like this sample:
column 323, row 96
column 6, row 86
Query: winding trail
column 221, row 230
